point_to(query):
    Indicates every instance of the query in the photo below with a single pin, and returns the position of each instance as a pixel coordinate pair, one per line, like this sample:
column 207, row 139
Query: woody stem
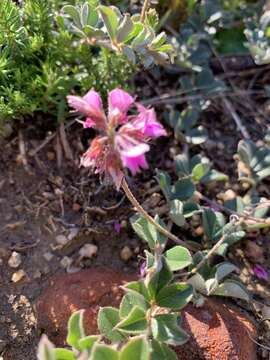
column 148, row 217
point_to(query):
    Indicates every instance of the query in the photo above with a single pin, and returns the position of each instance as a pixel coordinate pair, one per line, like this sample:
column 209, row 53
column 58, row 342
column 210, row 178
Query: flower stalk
column 148, row 217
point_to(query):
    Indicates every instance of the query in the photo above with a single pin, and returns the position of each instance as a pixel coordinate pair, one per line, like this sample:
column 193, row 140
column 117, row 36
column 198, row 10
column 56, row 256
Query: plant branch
column 149, row 218
column 212, row 251
column 145, row 7
column 231, row 212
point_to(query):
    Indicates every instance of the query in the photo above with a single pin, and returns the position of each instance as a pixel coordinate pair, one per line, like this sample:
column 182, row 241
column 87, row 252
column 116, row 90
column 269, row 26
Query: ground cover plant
column 193, row 142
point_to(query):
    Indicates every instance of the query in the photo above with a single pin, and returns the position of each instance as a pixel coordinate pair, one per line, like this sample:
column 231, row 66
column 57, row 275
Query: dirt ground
column 39, row 201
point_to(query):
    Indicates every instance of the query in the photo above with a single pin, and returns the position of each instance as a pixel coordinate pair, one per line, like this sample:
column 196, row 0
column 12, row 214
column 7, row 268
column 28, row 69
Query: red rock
column 217, row 331
column 68, row 293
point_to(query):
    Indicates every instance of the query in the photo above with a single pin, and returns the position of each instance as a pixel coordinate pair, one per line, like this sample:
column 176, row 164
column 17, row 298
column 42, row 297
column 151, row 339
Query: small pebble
column 18, row 276
column 61, row 239
column 88, row 251
column 37, row 275
column 66, row 262
column 15, row 260
column 126, row 253
column 48, row 256
column 72, row 234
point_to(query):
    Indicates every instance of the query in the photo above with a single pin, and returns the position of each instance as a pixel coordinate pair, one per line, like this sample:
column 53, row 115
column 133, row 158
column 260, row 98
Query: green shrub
column 41, row 62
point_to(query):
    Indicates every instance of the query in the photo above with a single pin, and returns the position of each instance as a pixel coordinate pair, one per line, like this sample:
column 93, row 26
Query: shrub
column 41, row 62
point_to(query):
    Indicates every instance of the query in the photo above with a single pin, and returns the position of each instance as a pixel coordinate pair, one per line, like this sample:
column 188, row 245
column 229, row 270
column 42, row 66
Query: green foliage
column 41, row 62
column 254, row 162
column 124, row 34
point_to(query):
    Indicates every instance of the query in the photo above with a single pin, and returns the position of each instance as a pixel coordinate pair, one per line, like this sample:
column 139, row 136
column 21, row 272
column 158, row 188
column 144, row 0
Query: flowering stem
column 145, row 7
column 149, row 218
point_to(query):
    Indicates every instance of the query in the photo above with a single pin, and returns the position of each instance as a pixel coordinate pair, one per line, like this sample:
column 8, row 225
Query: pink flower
column 119, row 103
column 124, row 137
column 147, row 122
column 260, row 272
column 91, row 106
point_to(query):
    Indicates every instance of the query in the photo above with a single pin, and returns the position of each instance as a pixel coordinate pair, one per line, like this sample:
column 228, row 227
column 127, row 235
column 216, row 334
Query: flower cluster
column 123, row 138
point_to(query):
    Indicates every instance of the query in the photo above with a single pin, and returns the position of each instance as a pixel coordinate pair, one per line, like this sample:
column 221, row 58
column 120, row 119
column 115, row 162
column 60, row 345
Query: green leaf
column 231, row 288
column 110, row 19
column 224, row 269
column 160, row 278
column 88, row 342
column 108, row 318
column 199, row 171
column 182, row 165
column 135, row 322
column 139, row 287
column 183, row 189
column 45, row 349
column 164, row 181
column 165, row 328
column 175, row 296
column 124, row 30
column 148, row 232
column 161, row 351
column 213, row 223
column 213, row 175
column 104, row 352
column 129, row 301
column 178, row 258
column 176, row 212
column 75, row 329
column 136, row 349
column 190, row 209
column 64, row 354
column 197, row 135
column 73, row 13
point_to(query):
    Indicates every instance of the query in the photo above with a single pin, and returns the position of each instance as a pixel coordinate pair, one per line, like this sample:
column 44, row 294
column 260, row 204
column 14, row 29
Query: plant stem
column 149, row 218
column 212, row 251
column 245, row 217
column 145, row 7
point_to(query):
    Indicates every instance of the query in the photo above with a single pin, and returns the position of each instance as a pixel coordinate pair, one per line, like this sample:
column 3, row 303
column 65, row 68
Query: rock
column 18, row 276
column 126, row 253
column 48, row 256
column 61, row 240
column 87, row 289
column 66, row 262
column 15, row 260
column 88, row 251
column 217, row 331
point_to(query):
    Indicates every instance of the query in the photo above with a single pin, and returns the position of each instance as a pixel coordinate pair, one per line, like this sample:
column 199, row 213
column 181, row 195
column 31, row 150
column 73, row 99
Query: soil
column 49, row 195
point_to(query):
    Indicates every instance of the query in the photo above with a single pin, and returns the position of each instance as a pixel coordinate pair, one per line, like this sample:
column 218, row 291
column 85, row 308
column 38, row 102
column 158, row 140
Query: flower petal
column 134, row 163
column 135, row 151
column 120, row 100
column 91, row 106
column 93, row 99
column 147, row 123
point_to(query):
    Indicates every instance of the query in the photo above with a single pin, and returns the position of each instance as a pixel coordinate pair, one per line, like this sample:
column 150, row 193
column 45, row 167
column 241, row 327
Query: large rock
column 217, row 331
column 88, row 290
